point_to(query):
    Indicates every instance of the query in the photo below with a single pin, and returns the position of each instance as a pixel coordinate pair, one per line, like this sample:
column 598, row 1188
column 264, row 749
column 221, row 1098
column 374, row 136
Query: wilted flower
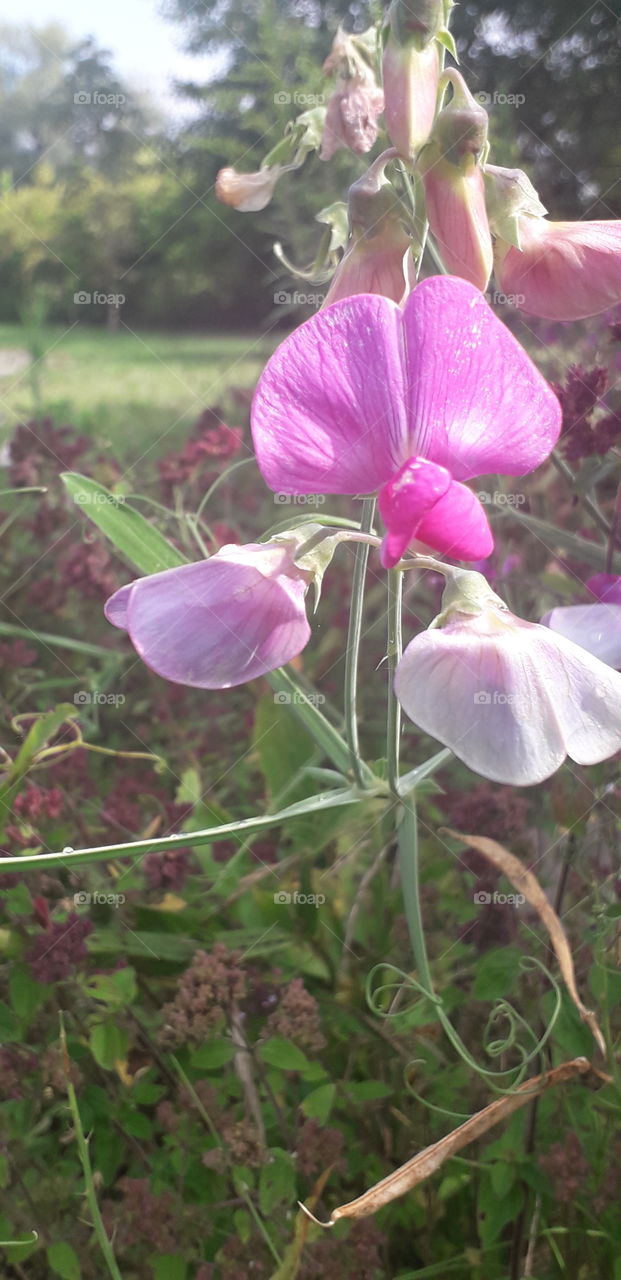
column 247, row 192
column 412, row 402
column 221, row 621
column 455, row 186
column 356, row 101
column 510, row 698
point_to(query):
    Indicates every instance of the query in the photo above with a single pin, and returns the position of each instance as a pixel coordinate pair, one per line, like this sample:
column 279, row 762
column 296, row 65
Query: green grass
column 131, row 391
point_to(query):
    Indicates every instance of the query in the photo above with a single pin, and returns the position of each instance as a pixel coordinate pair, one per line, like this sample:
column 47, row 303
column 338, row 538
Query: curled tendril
column 518, row 1037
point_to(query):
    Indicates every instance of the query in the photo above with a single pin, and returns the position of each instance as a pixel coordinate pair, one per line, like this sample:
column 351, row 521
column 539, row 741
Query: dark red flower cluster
column 213, row 440
column 55, row 954
column 37, row 803
column 580, row 396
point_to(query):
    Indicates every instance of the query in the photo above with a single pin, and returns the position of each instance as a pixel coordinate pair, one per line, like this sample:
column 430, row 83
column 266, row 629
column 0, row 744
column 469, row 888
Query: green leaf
column 276, row 1181
column 9, row 1026
column 212, row 1055
column 314, row 804
column 116, row 990
column 496, row 974
column 4, row 1172
column 139, row 542
column 278, row 1052
column 169, row 1266
column 368, row 1090
column 26, row 994
column 318, row 1104
column 108, row 1043
column 64, row 1261
column 494, row 1212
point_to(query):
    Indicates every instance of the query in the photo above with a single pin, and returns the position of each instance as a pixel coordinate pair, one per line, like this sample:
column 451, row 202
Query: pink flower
column 367, row 397
column 510, row 698
column 377, row 258
column 455, row 186
column 562, row 270
column 411, row 79
column 219, row 622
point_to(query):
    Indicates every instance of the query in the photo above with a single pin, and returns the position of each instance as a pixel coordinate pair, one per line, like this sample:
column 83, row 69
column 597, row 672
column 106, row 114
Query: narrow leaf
column 137, row 540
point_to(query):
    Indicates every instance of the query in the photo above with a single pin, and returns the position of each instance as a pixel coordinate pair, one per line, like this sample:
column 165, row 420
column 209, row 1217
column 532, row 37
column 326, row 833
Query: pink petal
column 596, row 627
column 477, row 404
column 458, row 220
column 329, row 411
column 219, row 622
column 564, row 270
column 422, row 502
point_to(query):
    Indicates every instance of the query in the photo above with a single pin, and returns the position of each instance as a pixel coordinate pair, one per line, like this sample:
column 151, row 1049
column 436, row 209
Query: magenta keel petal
column 423, row 503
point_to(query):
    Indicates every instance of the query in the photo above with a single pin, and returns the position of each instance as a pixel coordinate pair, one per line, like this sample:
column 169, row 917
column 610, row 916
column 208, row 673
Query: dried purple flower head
column 207, row 995
column 297, row 1018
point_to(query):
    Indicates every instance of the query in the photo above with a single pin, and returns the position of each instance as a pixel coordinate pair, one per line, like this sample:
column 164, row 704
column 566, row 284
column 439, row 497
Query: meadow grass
column 133, row 391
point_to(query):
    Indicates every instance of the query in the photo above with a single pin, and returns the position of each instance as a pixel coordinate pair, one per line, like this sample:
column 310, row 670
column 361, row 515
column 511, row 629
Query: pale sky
column 147, row 49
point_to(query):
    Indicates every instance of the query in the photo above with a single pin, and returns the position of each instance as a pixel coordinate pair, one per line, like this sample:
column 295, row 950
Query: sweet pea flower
column 597, row 627
column 510, row 698
column 356, row 101
column 219, row 622
column 377, row 256
column 365, row 396
column 455, row 185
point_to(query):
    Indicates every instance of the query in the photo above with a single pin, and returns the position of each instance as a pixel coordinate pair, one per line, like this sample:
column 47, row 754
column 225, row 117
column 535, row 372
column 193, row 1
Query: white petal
column 596, row 627
column 481, row 696
column 586, row 695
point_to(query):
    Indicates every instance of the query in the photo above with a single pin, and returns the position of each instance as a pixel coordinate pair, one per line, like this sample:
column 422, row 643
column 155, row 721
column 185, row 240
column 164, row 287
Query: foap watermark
column 483, row 899
column 497, row 99
column 282, row 298
column 290, row 699
column 96, row 698
column 284, row 99
column 483, row 698
column 98, row 299
column 498, row 499
column 297, row 899
column 500, row 299
column 299, row 499
column 99, row 499
column 97, row 98
column 98, row 899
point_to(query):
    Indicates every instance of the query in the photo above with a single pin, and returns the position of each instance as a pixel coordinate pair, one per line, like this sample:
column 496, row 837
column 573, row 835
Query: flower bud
column 377, row 257
column 416, row 22
column 509, row 194
column 455, row 187
column 247, row 192
column 411, row 77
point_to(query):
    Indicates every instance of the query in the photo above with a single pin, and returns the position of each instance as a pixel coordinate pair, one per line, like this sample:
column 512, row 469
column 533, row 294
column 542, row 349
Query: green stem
column 395, row 649
column 410, row 886
column 588, row 503
column 89, row 1186
column 352, row 652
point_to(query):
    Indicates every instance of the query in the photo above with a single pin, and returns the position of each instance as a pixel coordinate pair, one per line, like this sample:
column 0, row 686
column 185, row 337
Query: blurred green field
column 135, row 391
